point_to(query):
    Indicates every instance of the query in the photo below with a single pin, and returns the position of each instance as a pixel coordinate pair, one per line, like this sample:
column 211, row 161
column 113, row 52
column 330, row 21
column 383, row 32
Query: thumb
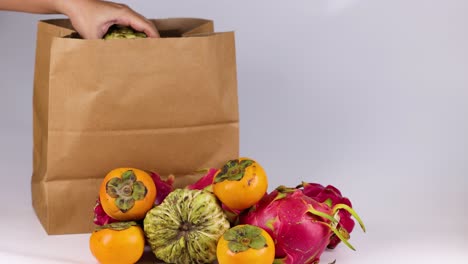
column 90, row 33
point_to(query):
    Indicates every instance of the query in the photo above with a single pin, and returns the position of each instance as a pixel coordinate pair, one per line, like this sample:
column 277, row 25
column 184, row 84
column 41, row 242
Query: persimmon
column 117, row 243
column 245, row 244
column 127, row 194
column 240, row 183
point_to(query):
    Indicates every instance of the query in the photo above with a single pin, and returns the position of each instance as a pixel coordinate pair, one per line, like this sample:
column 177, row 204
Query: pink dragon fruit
column 300, row 226
column 330, row 194
column 205, row 183
column 163, row 189
column 100, row 216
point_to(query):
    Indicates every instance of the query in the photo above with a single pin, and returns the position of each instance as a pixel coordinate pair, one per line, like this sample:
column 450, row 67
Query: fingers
column 146, row 26
column 151, row 31
column 138, row 22
column 93, row 18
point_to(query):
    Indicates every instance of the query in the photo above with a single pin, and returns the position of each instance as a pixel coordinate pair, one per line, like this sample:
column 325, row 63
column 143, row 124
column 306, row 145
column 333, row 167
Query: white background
column 367, row 95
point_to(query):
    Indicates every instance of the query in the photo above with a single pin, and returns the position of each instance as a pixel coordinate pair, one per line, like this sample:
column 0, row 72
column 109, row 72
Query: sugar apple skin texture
column 185, row 227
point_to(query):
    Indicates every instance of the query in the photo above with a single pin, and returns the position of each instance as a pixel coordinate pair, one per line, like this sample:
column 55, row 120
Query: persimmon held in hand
column 240, row 183
column 245, row 244
column 127, row 194
column 117, row 243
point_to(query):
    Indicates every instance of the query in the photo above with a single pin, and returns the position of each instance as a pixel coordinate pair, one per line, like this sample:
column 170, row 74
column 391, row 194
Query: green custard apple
column 185, row 227
column 123, row 32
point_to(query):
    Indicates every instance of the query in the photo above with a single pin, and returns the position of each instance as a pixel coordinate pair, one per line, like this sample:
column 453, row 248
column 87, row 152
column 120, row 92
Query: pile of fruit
column 226, row 216
column 123, row 32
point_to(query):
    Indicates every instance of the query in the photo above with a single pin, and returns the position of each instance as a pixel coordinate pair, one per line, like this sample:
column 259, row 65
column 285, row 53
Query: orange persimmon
column 245, row 244
column 240, row 183
column 118, row 243
column 127, row 194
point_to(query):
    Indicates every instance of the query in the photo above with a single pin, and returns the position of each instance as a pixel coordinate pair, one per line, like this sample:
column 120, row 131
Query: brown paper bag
column 168, row 105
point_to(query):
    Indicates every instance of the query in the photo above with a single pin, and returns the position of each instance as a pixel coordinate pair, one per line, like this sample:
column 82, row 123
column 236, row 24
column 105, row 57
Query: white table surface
column 421, row 236
column 24, row 241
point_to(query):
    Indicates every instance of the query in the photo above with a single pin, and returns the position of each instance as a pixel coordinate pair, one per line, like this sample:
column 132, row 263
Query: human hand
column 92, row 18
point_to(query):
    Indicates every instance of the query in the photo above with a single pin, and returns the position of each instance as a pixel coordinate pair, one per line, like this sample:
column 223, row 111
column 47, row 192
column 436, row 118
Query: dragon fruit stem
column 202, row 170
column 322, row 214
column 279, row 261
column 352, row 212
column 339, row 235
